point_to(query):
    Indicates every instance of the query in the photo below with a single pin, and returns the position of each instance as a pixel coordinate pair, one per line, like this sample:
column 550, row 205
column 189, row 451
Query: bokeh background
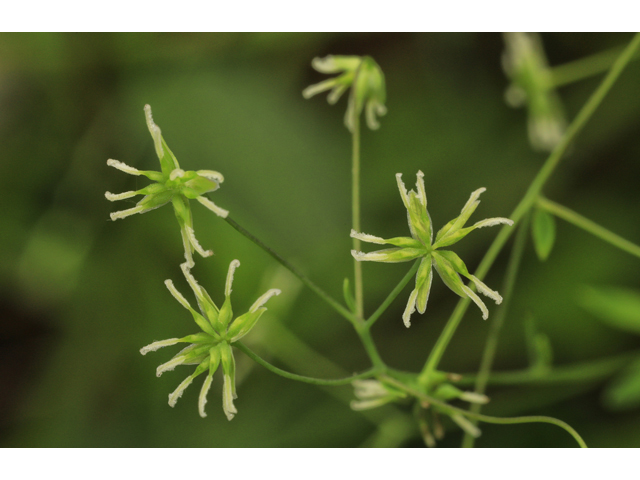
column 80, row 295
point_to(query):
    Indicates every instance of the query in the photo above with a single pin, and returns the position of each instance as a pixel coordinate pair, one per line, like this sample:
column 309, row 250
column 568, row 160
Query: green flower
column 525, row 63
column 420, row 245
column 211, row 347
column 172, row 185
column 366, row 80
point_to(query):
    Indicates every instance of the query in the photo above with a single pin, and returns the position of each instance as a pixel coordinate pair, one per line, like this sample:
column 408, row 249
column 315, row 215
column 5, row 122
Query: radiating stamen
column 123, row 167
column 365, row 237
column 477, row 301
column 232, row 268
column 159, row 344
column 126, row 213
column 221, row 212
column 211, row 175
column 263, row 299
column 177, row 295
column 422, row 195
column 170, row 365
column 403, row 190
column 196, row 245
column 202, row 399
column 483, row 289
column 177, row 393
column 411, row 307
column 156, row 134
column 112, row 197
column 227, row 398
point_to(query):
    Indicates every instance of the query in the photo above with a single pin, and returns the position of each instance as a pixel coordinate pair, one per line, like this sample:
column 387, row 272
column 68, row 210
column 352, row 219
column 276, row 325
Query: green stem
column 392, row 296
column 575, row 373
column 584, row 67
column 450, row 410
column 303, row 278
column 529, row 199
column 491, row 346
column 355, row 213
column 301, row 378
column 591, row 227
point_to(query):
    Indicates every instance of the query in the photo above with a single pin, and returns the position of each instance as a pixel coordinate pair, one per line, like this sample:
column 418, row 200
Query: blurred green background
column 80, row 295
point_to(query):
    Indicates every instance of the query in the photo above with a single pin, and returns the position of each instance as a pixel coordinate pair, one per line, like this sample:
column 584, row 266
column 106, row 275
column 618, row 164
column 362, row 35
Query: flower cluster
column 525, row 63
column 211, row 347
column 366, row 80
column 421, row 245
column 172, row 185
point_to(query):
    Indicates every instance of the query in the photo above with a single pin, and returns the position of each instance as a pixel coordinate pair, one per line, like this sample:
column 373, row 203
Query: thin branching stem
column 593, row 228
column 530, row 198
column 581, row 372
column 355, row 208
column 394, row 293
column 449, row 410
column 303, row 278
column 491, row 346
column 301, row 378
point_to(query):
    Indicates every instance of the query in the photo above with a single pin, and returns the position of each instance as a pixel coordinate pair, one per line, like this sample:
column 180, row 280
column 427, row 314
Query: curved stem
column 529, row 199
column 301, row 378
column 303, row 278
column 448, row 409
column 585, row 67
column 394, row 293
column 589, row 226
column 491, row 345
column 579, row 372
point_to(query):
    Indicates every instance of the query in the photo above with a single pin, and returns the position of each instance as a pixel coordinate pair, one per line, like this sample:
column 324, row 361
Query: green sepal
column 226, row 313
column 448, row 274
column 154, row 176
column 424, row 279
column 446, row 391
column 228, row 364
column 168, row 162
column 152, row 201
column 182, row 210
column 201, row 337
column 205, row 325
column 243, row 324
column 198, row 186
column 214, row 359
column 153, row 189
column 454, row 227
column 405, row 242
column 210, row 310
column 193, row 353
column 455, row 261
column 419, row 219
column 396, row 255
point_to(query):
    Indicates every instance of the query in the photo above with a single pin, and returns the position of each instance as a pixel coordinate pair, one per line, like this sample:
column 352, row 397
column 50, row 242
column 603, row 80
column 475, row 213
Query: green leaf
column 623, row 393
column 538, row 347
column 617, row 307
column 348, row 296
column 543, row 232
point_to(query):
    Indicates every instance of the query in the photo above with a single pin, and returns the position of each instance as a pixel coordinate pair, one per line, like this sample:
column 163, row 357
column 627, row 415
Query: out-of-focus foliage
column 80, row 295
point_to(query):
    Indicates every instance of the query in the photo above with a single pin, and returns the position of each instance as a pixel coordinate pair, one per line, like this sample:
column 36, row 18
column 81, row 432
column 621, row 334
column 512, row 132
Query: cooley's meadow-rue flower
column 363, row 76
column 421, row 245
column 532, row 85
column 211, row 347
column 172, row 185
